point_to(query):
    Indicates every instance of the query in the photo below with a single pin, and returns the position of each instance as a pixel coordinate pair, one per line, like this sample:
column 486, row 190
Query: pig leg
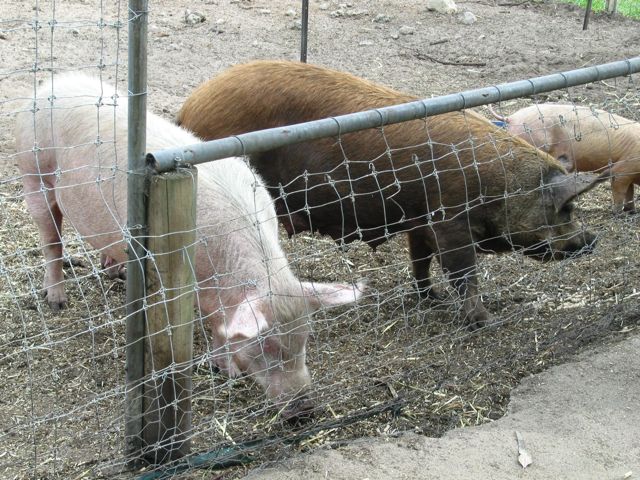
column 421, row 255
column 460, row 263
column 622, row 188
column 45, row 212
column 629, row 205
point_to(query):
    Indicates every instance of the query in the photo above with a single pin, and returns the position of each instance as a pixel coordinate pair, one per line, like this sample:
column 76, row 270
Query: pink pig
column 585, row 140
column 73, row 159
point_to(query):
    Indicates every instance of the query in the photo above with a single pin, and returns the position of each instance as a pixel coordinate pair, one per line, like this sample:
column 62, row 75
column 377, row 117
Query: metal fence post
column 304, row 35
column 136, row 219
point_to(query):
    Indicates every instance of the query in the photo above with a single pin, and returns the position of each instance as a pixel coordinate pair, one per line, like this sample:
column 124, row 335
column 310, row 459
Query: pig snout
column 113, row 269
column 299, row 410
column 580, row 244
column 575, row 245
column 289, row 391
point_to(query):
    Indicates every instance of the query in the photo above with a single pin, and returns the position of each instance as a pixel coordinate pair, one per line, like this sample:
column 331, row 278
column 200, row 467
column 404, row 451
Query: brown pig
column 455, row 182
column 584, row 139
column 72, row 156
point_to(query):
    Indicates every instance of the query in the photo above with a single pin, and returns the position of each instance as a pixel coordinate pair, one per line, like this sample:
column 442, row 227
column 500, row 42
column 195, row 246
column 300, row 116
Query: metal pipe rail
column 269, row 139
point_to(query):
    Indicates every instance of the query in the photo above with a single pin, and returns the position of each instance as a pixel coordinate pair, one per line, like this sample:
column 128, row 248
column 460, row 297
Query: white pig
column 72, row 154
column 585, row 140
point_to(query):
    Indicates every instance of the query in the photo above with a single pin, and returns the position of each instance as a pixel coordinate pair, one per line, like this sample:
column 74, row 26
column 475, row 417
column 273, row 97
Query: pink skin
column 585, row 140
column 258, row 309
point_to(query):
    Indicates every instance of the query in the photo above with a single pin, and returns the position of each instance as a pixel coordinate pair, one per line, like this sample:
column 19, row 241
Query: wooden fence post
column 171, row 219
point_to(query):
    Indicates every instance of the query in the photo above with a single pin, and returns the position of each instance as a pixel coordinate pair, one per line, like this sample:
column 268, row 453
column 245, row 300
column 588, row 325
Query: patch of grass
column 629, row 8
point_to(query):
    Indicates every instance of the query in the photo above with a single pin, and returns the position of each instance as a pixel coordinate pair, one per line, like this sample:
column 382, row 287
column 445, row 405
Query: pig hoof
column 57, row 300
column 55, row 304
column 478, row 320
column 432, row 294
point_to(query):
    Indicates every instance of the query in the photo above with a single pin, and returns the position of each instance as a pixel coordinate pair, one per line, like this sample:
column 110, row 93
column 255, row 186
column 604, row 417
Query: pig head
column 265, row 336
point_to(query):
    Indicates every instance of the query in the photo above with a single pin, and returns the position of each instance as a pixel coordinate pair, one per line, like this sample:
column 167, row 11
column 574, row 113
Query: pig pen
column 390, row 364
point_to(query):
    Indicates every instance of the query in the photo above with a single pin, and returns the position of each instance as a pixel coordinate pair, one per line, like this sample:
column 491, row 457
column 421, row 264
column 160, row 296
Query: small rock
column 441, row 6
column 75, row 32
column 192, row 18
column 365, row 43
column 382, row 18
column 290, row 13
column 296, row 25
column 406, row 30
column 264, row 11
column 343, row 11
column 395, row 35
column 467, row 18
column 324, row 6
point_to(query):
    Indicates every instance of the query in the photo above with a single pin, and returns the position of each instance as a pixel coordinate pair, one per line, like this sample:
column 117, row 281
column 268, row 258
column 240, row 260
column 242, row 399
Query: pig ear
column 565, row 188
column 331, row 294
column 247, row 321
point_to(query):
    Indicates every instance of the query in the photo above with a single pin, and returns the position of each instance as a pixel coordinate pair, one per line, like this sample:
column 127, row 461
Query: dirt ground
column 576, row 420
column 391, row 364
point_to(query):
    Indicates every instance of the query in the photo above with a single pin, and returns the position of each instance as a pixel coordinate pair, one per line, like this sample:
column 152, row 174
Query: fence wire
column 392, row 361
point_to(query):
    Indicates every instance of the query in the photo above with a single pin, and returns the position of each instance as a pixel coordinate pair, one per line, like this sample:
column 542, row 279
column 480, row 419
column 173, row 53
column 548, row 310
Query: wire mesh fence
column 388, row 360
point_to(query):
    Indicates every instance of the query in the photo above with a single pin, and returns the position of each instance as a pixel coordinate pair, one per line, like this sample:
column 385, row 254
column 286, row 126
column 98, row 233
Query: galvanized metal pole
column 264, row 140
column 587, row 12
column 304, row 35
column 136, row 219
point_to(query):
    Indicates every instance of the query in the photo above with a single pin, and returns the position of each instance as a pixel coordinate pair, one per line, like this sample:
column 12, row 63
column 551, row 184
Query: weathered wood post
column 169, row 337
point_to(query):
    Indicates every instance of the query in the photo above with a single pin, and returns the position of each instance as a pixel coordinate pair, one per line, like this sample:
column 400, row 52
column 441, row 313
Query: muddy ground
column 389, row 364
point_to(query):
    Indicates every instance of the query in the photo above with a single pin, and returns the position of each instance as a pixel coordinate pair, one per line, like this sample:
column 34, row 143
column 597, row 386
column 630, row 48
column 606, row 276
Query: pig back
column 368, row 184
column 82, row 142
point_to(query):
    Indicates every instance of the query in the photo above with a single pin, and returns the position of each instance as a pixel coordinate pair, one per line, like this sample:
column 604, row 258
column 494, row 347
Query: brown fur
column 443, row 179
